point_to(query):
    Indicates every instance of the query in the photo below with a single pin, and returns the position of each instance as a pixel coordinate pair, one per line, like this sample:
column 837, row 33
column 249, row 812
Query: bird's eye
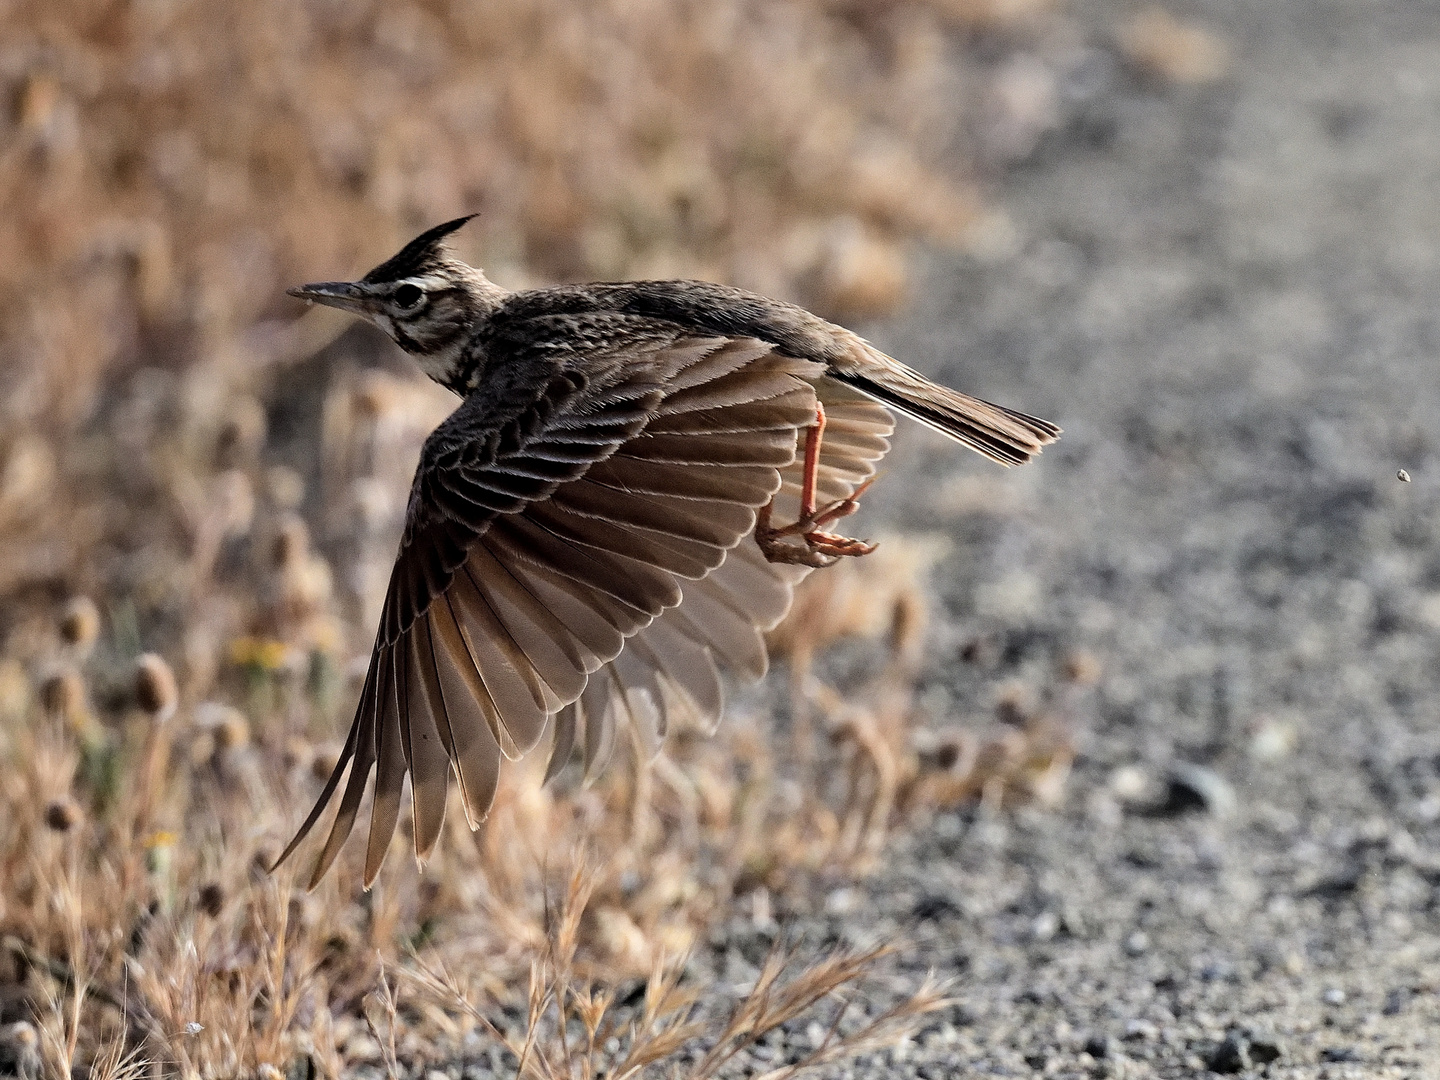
column 407, row 295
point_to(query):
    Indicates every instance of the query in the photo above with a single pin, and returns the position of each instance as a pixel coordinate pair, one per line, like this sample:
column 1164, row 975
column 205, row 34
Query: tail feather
column 1001, row 434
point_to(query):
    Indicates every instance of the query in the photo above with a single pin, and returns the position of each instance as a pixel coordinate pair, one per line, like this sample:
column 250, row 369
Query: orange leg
column 821, row 548
column 813, row 435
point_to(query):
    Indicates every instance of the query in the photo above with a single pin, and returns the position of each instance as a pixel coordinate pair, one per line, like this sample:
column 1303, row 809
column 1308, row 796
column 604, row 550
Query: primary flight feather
column 590, row 536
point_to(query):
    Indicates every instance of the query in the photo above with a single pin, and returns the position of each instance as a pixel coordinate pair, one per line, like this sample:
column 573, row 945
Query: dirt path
column 1230, row 298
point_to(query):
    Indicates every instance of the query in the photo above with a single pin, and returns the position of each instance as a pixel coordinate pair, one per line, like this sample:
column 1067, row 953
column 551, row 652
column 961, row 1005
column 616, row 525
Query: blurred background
column 201, row 486
column 1165, row 697
column 168, row 169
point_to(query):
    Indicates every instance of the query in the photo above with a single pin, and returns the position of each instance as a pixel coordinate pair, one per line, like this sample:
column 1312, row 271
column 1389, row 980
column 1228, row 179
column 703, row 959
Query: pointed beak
column 345, row 295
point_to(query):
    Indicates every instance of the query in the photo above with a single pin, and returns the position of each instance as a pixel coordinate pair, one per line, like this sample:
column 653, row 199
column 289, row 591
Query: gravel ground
column 1229, row 296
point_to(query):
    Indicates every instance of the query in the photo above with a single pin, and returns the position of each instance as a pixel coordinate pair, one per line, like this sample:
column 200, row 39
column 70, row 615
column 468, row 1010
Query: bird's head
column 424, row 297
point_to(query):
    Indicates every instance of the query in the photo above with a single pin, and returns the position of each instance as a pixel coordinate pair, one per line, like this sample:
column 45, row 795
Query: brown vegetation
column 199, row 502
column 169, row 168
column 140, row 806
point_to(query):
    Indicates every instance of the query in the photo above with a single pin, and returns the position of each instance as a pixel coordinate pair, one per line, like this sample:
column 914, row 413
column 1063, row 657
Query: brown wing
column 543, row 534
column 672, row 667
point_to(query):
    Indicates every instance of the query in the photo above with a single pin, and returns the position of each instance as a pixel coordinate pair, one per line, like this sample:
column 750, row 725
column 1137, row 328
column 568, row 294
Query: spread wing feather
column 721, row 620
column 566, row 510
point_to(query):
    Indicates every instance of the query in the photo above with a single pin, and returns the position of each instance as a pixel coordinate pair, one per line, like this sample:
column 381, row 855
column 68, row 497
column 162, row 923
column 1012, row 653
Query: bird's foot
column 820, row 548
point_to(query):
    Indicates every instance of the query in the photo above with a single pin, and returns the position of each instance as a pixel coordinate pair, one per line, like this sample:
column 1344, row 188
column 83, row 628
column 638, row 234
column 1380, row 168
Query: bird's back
column 702, row 307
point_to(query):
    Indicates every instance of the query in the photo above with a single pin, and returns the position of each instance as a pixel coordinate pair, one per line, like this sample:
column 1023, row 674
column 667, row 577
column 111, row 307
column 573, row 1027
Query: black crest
column 426, row 252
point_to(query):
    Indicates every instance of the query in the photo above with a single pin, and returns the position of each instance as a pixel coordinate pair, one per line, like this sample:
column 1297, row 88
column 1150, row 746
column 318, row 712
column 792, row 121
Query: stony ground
column 1230, row 298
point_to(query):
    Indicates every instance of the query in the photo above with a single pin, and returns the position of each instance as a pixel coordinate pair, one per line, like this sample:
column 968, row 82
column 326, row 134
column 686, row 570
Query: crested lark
column 589, row 537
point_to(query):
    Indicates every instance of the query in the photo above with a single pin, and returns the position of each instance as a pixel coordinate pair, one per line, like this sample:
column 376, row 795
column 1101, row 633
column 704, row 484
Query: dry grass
column 571, row 1029
column 129, row 946
column 200, row 497
column 141, row 801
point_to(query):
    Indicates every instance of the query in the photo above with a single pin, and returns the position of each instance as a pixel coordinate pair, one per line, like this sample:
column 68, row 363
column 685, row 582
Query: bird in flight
column 591, row 535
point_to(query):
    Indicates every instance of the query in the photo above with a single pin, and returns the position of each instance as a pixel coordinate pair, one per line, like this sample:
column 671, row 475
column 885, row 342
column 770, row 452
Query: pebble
column 1216, row 970
column 1138, row 943
column 1194, row 787
column 1273, row 739
column 1231, row 1056
column 1140, row 1029
column 1264, row 1050
column 963, row 1015
column 934, row 906
column 1240, row 1051
column 1334, row 996
column 362, row 1048
column 1045, row 926
column 1130, row 784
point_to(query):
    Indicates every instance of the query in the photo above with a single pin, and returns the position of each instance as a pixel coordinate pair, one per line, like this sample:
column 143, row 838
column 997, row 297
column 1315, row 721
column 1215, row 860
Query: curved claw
column 837, row 546
column 835, row 511
column 820, row 548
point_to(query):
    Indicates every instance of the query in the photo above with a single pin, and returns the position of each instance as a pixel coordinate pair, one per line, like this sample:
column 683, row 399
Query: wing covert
column 553, row 517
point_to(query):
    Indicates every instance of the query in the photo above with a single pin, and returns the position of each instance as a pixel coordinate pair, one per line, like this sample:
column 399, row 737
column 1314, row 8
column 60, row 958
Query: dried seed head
column 232, row 732
column 211, row 899
column 233, row 499
column 297, row 753
column 63, row 694
column 292, row 544
column 377, row 394
column 324, row 764
column 63, row 814
column 22, row 1038
column 620, row 937
column 285, row 487
column 155, row 689
column 242, row 435
column 27, row 474
column 299, row 912
column 947, row 755
column 22, row 1041
column 80, row 624
column 908, row 620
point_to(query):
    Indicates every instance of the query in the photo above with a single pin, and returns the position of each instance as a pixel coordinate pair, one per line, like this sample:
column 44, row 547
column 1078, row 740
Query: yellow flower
column 266, row 653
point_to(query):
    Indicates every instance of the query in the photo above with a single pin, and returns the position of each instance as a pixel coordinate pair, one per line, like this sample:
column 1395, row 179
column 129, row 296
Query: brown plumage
column 580, row 547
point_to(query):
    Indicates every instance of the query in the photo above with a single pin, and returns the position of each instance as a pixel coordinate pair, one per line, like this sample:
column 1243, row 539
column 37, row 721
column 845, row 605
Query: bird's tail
column 1001, row 434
